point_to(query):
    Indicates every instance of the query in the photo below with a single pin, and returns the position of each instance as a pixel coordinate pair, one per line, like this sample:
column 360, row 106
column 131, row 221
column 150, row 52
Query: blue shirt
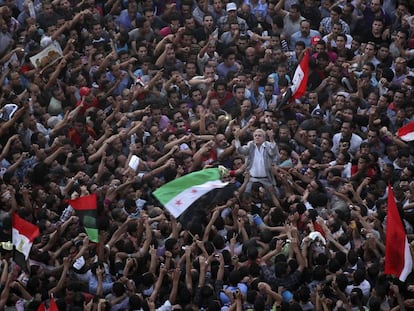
column 259, row 9
column 297, row 36
column 125, row 82
column 125, row 21
column 223, row 70
column 106, row 284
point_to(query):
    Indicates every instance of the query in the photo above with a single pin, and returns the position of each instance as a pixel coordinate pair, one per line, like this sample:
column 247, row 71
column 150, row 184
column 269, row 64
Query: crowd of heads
column 117, row 98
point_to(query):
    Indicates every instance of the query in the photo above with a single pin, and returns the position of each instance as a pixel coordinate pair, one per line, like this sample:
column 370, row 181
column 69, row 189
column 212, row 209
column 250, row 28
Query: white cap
column 231, row 7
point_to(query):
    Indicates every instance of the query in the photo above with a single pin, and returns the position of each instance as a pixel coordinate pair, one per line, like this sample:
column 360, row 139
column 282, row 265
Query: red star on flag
column 194, row 191
column 178, row 202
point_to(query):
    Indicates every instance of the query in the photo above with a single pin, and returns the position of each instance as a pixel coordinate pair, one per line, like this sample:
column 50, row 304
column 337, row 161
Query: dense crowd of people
column 88, row 85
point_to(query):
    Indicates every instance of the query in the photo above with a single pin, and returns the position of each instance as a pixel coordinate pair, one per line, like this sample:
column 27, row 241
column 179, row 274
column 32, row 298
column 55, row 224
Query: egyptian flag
column 178, row 194
column 85, row 208
column 406, row 132
column 41, row 307
column 299, row 81
column 398, row 260
column 23, row 235
column 52, row 306
column 300, row 78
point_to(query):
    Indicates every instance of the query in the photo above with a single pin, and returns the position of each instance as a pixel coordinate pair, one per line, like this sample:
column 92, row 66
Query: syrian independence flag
column 177, row 195
column 299, row 81
column 398, row 260
column 23, row 235
column 406, row 132
column 85, row 208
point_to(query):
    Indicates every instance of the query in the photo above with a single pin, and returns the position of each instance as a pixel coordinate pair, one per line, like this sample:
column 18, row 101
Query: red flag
column 41, row 307
column 53, row 306
column 406, row 132
column 87, row 202
column 24, row 234
column 398, row 260
column 300, row 78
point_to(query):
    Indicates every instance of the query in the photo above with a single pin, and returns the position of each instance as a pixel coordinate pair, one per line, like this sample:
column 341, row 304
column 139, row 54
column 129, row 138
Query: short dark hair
column 336, row 9
column 169, row 244
column 300, row 43
column 342, row 35
column 228, row 52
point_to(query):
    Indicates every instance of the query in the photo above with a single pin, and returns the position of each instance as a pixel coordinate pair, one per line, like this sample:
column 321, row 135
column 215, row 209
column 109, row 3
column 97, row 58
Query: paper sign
column 134, row 162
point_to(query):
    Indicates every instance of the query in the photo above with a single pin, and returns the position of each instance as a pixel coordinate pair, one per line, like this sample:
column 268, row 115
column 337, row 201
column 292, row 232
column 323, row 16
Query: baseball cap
column 231, row 7
column 317, row 113
column 315, row 40
column 84, row 91
column 287, row 296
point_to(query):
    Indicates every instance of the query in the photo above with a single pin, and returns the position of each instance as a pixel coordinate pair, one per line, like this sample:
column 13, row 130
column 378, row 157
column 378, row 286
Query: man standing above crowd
column 260, row 157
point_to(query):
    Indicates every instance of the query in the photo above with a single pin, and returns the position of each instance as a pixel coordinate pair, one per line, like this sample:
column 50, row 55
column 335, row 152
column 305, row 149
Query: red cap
column 315, row 40
column 84, row 91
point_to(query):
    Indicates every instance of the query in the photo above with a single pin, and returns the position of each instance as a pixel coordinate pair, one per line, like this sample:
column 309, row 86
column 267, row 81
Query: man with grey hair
column 259, row 154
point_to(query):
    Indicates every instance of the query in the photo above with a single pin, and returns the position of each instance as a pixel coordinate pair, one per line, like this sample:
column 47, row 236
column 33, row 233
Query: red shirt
column 76, row 138
column 87, row 105
column 370, row 172
column 222, row 101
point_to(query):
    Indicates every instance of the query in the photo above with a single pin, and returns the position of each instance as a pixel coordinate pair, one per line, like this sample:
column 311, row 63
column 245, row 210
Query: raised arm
column 148, row 238
column 176, row 281
column 62, row 280
column 4, row 127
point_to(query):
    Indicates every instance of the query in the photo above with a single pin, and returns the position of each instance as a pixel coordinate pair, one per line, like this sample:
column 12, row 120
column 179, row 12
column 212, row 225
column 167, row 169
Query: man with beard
column 305, row 34
column 15, row 82
column 400, row 71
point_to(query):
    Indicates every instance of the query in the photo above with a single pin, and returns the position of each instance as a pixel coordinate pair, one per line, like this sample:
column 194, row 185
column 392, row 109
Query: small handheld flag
column 406, row 132
column 299, row 81
column 85, row 207
column 23, row 234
